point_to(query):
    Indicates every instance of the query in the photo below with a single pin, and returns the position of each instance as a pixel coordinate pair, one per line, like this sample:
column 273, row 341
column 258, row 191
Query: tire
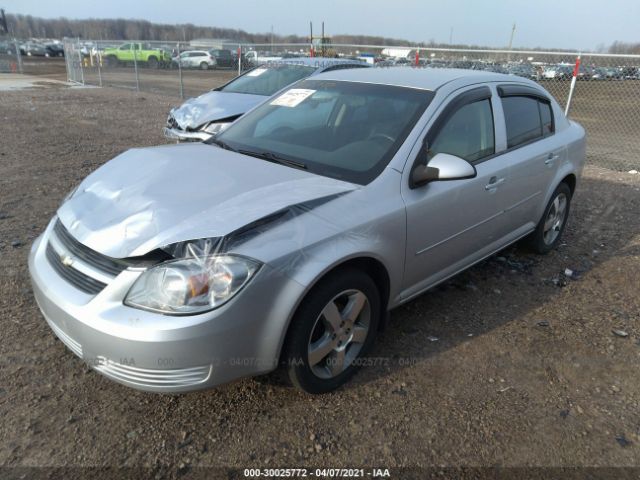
column 152, row 62
column 204, row 66
column 548, row 232
column 324, row 342
column 111, row 61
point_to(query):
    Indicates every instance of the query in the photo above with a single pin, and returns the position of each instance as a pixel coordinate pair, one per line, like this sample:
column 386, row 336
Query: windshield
column 343, row 130
column 268, row 80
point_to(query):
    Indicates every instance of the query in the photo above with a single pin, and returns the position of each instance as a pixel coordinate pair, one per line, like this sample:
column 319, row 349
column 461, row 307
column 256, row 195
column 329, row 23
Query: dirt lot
column 510, row 364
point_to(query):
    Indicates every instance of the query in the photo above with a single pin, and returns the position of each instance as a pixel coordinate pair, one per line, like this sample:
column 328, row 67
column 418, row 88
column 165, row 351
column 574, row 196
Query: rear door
column 451, row 224
column 532, row 151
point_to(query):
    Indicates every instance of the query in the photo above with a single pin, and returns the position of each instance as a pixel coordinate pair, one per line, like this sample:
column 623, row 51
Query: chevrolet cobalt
column 284, row 241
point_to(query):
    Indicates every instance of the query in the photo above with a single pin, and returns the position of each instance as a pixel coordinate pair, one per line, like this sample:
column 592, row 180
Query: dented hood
column 153, row 197
column 214, row 105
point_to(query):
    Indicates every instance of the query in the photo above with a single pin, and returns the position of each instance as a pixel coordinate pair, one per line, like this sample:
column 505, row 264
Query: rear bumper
column 161, row 353
column 182, row 136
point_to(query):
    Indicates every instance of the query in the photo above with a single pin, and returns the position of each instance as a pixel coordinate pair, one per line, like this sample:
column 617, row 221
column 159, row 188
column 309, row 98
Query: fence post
column 180, row 72
column 135, row 65
column 99, row 60
column 81, row 63
column 239, row 59
column 576, row 69
column 18, row 55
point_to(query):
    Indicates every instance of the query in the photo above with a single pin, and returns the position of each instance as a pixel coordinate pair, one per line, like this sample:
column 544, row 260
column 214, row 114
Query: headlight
column 215, row 128
column 192, row 285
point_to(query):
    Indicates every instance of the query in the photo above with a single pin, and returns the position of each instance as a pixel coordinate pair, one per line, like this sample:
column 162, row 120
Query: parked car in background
column 286, row 239
column 54, row 50
column 256, row 58
column 141, row 53
column 202, row 117
column 223, row 58
column 557, row 72
column 7, row 47
column 524, row 70
column 630, row 73
column 33, row 49
column 201, row 59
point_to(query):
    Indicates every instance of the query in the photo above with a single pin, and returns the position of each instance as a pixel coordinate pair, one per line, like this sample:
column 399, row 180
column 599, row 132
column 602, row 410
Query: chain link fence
column 606, row 100
column 10, row 58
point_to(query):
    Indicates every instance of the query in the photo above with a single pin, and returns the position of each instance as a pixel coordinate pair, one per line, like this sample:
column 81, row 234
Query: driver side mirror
column 442, row 166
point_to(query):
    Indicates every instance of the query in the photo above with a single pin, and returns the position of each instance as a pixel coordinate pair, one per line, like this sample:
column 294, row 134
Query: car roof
column 422, row 78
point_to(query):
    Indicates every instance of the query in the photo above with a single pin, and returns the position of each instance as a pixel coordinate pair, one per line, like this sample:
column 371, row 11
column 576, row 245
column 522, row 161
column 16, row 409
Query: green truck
column 141, row 53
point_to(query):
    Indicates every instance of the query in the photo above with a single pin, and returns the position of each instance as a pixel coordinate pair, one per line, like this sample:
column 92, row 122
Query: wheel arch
column 367, row 263
column 571, row 181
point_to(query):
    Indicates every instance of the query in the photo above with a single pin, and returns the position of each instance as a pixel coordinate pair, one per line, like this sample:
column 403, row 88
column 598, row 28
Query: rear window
column 527, row 119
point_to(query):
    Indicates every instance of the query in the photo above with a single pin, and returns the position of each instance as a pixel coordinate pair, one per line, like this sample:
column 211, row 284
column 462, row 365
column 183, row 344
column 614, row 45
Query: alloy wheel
column 339, row 334
column 555, row 219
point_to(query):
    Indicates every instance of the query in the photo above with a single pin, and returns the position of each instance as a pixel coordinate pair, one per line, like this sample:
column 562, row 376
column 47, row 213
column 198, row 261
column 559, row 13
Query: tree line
column 28, row 26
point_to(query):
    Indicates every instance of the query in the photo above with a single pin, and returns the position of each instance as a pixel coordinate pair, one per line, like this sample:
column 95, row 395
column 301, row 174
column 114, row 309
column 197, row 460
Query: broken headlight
column 191, row 285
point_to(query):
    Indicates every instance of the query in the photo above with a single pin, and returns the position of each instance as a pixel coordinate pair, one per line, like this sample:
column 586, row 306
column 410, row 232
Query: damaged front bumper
column 163, row 353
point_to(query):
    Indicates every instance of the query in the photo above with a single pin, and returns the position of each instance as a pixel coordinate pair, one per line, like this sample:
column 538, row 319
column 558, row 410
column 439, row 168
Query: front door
column 450, row 224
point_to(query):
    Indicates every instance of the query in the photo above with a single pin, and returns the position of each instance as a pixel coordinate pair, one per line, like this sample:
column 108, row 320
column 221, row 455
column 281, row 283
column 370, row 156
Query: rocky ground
column 522, row 361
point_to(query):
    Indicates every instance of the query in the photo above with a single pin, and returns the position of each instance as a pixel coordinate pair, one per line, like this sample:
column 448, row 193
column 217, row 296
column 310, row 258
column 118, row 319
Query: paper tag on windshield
column 293, row 97
column 256, row 72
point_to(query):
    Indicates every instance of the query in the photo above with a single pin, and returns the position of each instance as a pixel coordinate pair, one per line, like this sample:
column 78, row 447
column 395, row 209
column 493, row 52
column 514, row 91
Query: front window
column 344, row 130
column 268, row 80
column 468, row 133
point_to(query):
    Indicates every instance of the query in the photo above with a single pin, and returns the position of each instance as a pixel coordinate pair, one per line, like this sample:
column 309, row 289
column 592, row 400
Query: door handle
column 552, row 157
column 493, row 183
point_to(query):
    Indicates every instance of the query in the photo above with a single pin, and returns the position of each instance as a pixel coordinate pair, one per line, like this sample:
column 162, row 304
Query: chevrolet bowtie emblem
column 66, row 260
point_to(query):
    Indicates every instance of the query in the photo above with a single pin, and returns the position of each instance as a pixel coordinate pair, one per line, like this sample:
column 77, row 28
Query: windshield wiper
column 220, row 143
column 275, row 158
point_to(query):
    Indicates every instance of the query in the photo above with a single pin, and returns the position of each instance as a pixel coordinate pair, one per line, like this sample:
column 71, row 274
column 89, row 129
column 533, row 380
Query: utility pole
column 3, row 21
column 513, row 32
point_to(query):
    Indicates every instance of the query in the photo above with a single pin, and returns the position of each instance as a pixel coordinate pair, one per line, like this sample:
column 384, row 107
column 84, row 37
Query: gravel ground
column 510, row 364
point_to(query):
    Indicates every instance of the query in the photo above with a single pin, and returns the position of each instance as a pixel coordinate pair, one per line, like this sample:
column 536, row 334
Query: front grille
column 73, row 276
column 92, row 258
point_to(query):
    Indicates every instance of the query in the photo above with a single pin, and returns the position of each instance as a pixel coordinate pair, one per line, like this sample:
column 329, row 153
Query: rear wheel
column 111, row 61
column 548, row 233
column 334, row 327
column 152, row 62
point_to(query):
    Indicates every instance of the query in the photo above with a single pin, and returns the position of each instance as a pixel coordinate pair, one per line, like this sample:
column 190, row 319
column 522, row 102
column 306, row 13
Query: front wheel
column 333, row 328
column 204, row 66
column 152, row 62
column 549, row 231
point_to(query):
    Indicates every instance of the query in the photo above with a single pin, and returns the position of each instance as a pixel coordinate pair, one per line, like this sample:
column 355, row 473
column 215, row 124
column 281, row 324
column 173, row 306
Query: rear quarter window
column 522, row 118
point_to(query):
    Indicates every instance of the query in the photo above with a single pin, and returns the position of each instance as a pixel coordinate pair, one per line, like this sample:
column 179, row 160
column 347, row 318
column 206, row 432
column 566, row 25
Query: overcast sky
column 575, row 24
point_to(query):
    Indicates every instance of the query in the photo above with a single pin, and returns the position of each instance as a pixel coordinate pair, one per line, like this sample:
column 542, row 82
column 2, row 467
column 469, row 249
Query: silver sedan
column 284, row 241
